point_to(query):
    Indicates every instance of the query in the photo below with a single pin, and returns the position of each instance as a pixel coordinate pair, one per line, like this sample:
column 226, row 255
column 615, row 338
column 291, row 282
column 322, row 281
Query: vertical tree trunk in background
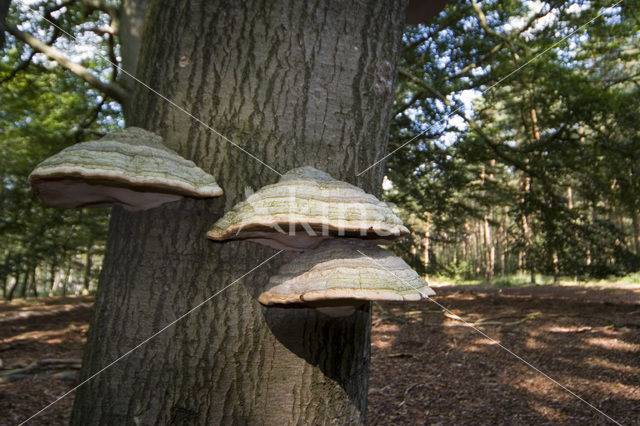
column 52, row 277
column 490, row 250
column 527, row 234
column 529, row 260
column 14, row 286
column 33, row 282
column 427, row 244
column 131, row 16
column 478, row 262
column 296, row 84
column 66, row 278
column 88, row 264
column 467, row 243
column 25, row 282
column 636, row 231
column 503, row 240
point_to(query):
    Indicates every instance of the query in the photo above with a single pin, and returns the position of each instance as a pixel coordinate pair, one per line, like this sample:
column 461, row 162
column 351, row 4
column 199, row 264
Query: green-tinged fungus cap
column 344, row 272
column 129, row 167
column 304, row 208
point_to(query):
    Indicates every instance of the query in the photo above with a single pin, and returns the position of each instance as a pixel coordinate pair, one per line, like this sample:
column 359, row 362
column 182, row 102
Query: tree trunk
column 527, row 233
column 503, row 240
column 52, row 277
column 296, row 84
column 67, row 278
column 131, row 16
column 467, row 242
column 427, row 245
column 490, row 250
column 25, row 283
column 14, row 286
column 88, row 263
column 478, row 263
column 33, row 282
column 636, row 231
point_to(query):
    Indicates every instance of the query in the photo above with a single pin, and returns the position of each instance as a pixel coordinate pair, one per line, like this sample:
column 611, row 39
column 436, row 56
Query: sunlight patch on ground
column 613, row 343
column 384, row 336
column 479, row 344
column 533, row 343
column 609, row 388
column 540, row 385
column 599, row 362
column 48, row 336
column 550, row 413
column 574, row 329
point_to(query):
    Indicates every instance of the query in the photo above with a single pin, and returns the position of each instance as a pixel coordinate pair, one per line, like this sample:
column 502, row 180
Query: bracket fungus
column 305, row 207
column 342, row 274
column 129, row 167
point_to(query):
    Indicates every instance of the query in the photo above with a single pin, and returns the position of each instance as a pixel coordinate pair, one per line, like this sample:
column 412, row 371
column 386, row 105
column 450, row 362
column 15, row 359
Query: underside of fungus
column 344, row 272
column 129, row 167
column 305, row 207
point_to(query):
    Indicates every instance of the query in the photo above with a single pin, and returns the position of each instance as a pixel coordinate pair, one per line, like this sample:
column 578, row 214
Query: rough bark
column 131, row 21
column 296, row 84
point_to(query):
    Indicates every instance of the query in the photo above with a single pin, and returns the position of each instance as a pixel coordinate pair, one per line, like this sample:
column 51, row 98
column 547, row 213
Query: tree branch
column 495, row 147
column 91, row 5
column 87, row 121
column 112, row 90
column 482, row 18
column 21, row 66
column 25, row 64
column 474, row 65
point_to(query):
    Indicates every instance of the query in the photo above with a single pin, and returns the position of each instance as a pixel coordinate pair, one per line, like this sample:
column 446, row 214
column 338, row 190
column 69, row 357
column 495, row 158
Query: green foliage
column 541, row 172
column 44, row 109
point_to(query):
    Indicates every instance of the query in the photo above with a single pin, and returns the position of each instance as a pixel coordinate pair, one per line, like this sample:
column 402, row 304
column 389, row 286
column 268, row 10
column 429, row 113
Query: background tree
column 293, row 83
column 44, row 109
column 525, row 172
column 530, row 189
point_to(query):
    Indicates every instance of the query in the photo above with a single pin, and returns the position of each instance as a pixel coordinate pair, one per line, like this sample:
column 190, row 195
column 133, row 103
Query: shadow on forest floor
column 426, row 367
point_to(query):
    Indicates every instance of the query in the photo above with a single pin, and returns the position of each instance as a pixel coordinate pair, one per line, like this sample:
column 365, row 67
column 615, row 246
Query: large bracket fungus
column 305, row 207
column 344, row 273
column 129, row 167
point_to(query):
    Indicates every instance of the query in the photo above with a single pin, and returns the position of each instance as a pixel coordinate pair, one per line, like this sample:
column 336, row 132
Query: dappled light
column 491, row 147
column 613, row 343
column 424, row 363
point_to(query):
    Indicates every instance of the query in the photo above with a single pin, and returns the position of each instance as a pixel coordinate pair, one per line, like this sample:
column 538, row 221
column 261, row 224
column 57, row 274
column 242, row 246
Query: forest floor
column 426, row 368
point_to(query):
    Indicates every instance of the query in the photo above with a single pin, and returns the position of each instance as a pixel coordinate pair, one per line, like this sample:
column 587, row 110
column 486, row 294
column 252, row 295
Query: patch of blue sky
column 83, row 46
